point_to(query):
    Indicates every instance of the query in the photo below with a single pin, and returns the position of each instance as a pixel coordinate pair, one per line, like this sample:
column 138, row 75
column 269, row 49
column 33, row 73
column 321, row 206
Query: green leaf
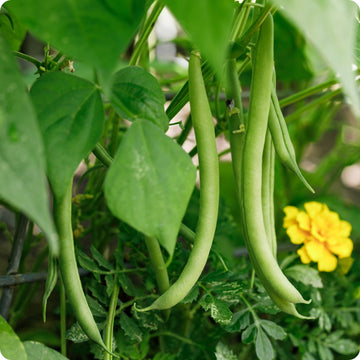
column 192, row 295
column 10, row 345
column 76, row 334
column 249, row 335
column 136, row 94
column 71, row 118
column 130, row 328
column 95, row 32
column 96, row 308
column 22, row 162
column 38, row 351
column 305, row 274
column 224, row 353
column 324, row 352
column 273, row 330
column 335, row 43
column 150, row 173
column 208, row 25
column 219, row 310
column 344, row 346
column 10, row 28
column 264, row 349
column 50, row 282
column 239, row 321
column 99, row 258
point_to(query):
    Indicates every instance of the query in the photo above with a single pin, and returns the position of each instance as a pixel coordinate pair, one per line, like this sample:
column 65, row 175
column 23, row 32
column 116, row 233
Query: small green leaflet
column 150, row 173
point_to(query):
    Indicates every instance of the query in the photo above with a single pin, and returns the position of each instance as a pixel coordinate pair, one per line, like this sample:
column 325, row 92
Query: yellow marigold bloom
column 321, row 232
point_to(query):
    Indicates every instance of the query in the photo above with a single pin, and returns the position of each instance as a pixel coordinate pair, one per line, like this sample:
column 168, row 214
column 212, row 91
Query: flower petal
column 303, row 220
column 297, row 236
column 290, row 216
column 327, row 262
column 313, row 208
column 304, row 257
column 315, row 249
column 342, row 248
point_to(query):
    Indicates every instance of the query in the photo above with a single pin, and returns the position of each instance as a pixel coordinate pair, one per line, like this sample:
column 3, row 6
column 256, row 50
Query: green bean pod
column 281, row 138
column 267, row 192
column 251, row 185
column 209, row 191
column 69, row 270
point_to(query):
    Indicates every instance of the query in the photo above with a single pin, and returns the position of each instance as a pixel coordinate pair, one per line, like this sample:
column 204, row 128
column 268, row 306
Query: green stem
column 241, row 17
column 306, row 93
column 28, row 58
column 146, row 30
column 185, row 132
column 109, row 331
column 62, row 318
column 158, row 264
column 320, row 100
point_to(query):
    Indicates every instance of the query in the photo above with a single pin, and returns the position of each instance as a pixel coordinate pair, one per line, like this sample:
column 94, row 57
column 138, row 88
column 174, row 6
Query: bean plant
column 165, row 202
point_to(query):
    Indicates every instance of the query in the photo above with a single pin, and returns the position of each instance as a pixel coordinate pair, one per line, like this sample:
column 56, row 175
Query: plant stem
column 28, row 58
column 145, row 31
column 157, row 262
column 62, row 318
column 306, row 93
column 110, row 320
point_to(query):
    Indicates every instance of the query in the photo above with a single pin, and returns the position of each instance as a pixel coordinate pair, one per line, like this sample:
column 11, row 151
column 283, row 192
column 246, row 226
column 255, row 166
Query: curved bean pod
column 251, row 186
column 209, row 191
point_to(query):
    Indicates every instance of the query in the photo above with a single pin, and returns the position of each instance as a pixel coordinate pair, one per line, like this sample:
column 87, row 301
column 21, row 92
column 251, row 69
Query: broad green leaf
column 10, row 28
column 10, row 345
column 264, row 349
column 324, row 352
column 239, row 321
column 95, row 32
column 130, row 328
column 22, row 161
column 273, row 330
column 96, row 308
column 150, row 173
column 305, row 274
column 330, row 27
column 38, row 351
column 136, row 94
column 208, row 25
column 249, row 334
column 71, row 118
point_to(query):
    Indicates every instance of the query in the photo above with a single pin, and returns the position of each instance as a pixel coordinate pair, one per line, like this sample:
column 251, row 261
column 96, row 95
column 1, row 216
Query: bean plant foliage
column 183, row 252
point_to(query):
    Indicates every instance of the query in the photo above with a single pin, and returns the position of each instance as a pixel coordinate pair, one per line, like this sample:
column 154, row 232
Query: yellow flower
column 321, row 232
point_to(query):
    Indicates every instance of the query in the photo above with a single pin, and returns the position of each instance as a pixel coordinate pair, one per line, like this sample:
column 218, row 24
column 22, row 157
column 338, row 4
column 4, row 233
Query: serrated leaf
column 99, row 258
column 22, row 161
column 76, row 334
column 224, row 353
column 136, row 94
column 149, row 173
column 273, row 330
column 71, row 119
column 96, row 308
column 38, row 351
column 130, row 328
column 208, row 25
column 10, row 345
column 316, row 20
column 219, row 310
column 305, row 274
column 264, row 349
column 191, row 296
column 95, row 32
